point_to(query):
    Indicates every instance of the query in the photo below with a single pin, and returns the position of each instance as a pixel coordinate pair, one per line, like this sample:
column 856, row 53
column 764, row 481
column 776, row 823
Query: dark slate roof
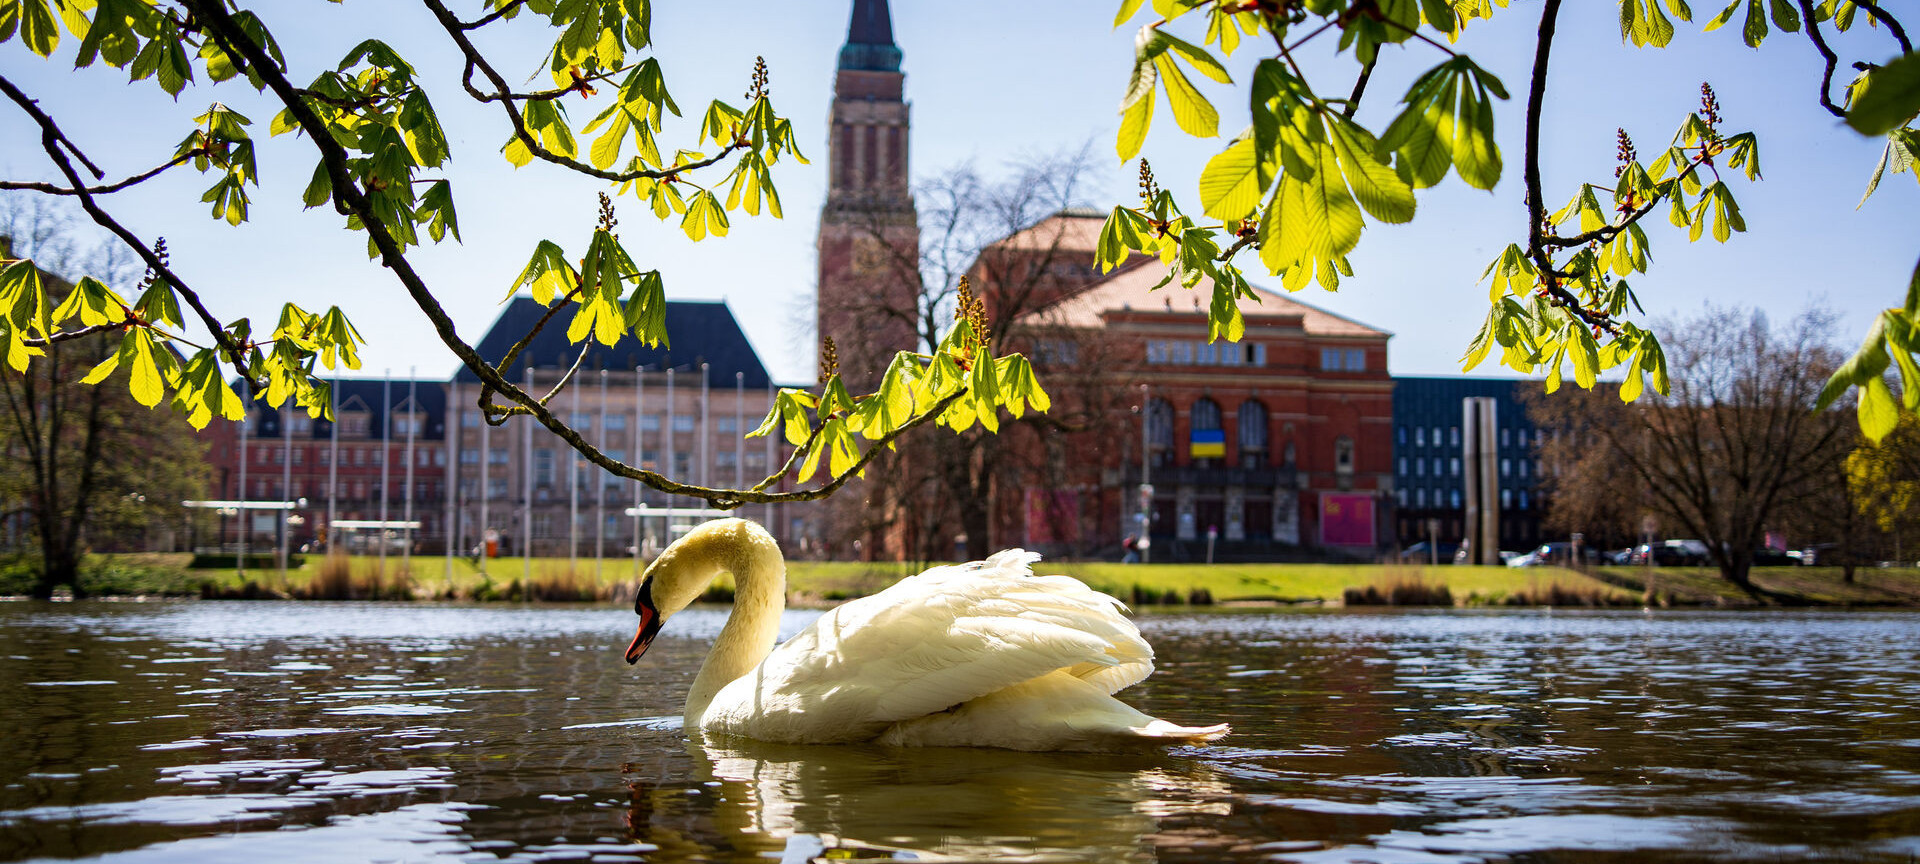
column 698, row 331
column 870, row 39
column 364, row 394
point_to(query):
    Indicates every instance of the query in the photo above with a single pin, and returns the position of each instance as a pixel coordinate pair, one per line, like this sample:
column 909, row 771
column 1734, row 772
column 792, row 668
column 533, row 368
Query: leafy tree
column 67, row 441
column 381, row 155
column 1719, row 456
column 1884, row 478
column 1295, row 189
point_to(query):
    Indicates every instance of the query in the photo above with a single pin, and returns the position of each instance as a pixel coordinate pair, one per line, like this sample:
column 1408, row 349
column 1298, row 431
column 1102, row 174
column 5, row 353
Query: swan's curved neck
column 760, row 594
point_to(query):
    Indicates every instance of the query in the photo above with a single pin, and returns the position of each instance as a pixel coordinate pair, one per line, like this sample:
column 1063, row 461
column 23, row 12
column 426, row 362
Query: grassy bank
column 556, row 579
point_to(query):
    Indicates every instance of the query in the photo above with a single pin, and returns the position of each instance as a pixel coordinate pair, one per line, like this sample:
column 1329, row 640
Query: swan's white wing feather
column 930, row 643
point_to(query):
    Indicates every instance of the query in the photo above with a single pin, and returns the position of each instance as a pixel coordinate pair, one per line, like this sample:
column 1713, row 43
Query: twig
column 1826, row 53
column 477, row 61
column 1359, row 88
column 50, row 189
column 496, row 15
column 1885, row 17
column 1536, row 205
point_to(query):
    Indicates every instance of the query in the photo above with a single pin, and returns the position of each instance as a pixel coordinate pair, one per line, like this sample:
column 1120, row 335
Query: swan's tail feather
column 1160, row 732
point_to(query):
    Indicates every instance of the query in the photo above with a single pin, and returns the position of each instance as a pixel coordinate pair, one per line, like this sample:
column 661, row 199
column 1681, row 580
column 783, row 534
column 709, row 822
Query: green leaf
column 646, row 310
column 1889, row 97
column 1127, row 8
column 1202, row 61
column 1385, row 196
column 1230, row 186
column 1134, row 121
column 1878, row 412
column 1191, row 110
column 143, row 377
column 547, row 273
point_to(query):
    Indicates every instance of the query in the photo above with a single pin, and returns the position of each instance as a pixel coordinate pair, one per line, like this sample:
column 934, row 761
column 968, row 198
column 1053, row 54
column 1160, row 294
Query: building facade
column 382, row 458
column 680, row 413
column 1276, row 446
column 1428, row 474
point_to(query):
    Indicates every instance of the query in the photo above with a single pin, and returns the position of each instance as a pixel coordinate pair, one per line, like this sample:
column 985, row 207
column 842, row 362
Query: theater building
column 1278, row 446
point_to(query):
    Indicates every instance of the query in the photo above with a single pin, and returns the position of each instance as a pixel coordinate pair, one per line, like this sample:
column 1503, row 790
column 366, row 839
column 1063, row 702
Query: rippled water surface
column 287, row 733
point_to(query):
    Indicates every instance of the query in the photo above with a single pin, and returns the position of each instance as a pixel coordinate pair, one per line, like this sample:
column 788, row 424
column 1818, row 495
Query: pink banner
column 1346, row 519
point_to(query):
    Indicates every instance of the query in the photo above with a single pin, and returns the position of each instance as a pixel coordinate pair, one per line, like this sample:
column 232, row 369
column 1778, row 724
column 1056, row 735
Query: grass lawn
column 1871, row 586
column 808, row 581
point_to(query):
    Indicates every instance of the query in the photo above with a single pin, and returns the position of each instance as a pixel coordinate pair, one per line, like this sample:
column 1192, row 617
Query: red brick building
column 1279, row 445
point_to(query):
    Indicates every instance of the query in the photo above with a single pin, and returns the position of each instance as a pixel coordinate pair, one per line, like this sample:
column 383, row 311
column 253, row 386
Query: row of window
column 584, row 422
column 1343, row 359
column 1187, row 353
column 269, row 489
column 1508, row 436
column 1452, row 466
column 1420, row 499
column 276, row 454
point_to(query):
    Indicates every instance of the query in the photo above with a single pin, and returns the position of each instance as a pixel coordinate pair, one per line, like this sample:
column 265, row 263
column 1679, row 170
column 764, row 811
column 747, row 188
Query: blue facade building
column 1428, row 477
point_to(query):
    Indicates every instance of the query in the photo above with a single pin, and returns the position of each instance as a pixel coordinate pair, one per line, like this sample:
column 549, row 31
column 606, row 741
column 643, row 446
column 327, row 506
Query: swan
column 984, row 654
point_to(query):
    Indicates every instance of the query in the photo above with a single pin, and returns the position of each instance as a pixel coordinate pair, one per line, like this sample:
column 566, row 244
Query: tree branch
column 50, row 138
column 495, row 15
column 1885, row 17
column 50, row 189
column 503, row 93
column 1826, row 54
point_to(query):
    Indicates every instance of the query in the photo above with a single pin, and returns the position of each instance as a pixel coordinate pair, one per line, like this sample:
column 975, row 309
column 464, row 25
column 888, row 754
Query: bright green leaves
column 25, row 311
column 704, row 216
column 1512, row 273
column 93, row 302
column 1231, row 184
column 222, row 144
column 1448, row 121
column 547, row 273
column 1886, row 98
column 1644, row 23
column 1901, row 152
column 1383, row 193
column 1893, row 338
column 606, row 309
column 34, row 21
column 1157, row 56
column 1753, row 15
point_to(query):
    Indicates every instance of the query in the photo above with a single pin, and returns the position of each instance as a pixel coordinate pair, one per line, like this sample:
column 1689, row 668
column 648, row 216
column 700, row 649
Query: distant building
column 1277, row 446
column 678, row 411
column 386, row 443
column 1427, row 473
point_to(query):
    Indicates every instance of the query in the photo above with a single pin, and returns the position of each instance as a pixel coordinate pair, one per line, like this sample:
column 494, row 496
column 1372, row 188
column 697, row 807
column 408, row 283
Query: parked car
column 1560, row 553
column 1418, row 554
column 1619, row 556
column 1673, row 553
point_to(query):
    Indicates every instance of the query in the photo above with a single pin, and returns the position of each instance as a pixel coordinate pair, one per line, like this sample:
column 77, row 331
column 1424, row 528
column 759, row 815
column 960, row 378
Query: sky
column 991, row 83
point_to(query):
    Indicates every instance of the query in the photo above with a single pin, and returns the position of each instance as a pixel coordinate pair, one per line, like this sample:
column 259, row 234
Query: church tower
column 869, row 237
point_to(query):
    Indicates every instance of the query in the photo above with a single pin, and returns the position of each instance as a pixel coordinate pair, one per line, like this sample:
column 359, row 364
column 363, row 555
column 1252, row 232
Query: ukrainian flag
column 1208, row 444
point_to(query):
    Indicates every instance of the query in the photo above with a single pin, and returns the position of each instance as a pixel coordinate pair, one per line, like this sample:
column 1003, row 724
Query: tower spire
column 870, row 39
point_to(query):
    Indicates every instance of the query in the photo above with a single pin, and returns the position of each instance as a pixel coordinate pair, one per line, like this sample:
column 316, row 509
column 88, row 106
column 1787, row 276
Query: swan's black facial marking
column 649, row 622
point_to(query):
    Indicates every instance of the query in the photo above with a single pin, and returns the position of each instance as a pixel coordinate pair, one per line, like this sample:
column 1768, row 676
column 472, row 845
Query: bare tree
column 1724, row 454
column 935, row 490
column 71, row 477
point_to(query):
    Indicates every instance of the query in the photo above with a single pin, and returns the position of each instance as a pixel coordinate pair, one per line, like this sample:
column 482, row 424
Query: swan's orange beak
column 649, row 623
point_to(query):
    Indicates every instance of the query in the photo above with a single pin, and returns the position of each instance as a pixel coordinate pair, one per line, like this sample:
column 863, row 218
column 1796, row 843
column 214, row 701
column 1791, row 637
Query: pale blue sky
column 991, row 81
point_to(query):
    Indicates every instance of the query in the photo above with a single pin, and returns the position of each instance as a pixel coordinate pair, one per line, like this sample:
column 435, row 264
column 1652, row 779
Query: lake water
column 206, row 732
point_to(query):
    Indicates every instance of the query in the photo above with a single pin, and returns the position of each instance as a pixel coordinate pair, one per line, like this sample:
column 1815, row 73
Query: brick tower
column 869, row 236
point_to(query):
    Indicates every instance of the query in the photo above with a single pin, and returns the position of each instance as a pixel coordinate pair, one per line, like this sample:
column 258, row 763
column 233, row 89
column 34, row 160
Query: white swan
column 972, row 655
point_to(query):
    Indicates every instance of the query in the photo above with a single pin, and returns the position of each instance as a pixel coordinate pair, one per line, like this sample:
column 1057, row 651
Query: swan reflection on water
column 934, row 804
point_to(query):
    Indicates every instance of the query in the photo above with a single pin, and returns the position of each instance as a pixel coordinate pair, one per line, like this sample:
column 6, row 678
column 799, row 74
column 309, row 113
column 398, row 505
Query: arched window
column 1208, row 439
column 1160, row 430
column 1343, row 455
column 1253, row 434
